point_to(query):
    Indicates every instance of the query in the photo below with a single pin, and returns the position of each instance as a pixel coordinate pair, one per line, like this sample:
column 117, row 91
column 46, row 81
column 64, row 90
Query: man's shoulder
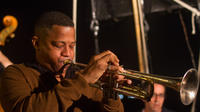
column 20, row 72
column 20, row 66
column 17, row 69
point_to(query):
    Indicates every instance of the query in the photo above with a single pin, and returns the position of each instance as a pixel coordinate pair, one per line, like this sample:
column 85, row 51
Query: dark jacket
column 26, row 89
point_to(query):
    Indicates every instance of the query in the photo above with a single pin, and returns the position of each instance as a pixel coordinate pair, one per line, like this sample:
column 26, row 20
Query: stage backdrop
column 168, row 52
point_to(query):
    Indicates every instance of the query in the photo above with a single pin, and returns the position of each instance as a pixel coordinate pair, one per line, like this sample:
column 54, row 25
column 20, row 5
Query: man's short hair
column 48, row 19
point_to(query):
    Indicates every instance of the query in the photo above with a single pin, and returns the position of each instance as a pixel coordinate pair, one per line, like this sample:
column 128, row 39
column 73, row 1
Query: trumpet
column 187, row 85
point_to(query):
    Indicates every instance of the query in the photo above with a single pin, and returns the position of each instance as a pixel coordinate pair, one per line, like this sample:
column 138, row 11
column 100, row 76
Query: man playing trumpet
column 38, row 86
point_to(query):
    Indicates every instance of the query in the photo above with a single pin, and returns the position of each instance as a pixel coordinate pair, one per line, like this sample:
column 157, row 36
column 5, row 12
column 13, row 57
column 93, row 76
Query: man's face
column 56, row 47
column 157, row 99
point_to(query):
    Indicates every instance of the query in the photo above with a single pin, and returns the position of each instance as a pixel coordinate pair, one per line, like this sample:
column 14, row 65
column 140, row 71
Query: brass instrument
column 186, row 85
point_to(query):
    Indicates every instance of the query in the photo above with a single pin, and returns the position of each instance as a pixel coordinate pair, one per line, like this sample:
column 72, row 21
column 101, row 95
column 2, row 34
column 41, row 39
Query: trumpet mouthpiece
column 68, row 61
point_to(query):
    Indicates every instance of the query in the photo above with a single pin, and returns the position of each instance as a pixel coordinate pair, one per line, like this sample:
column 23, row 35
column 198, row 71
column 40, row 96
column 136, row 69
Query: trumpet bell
column 189, row 86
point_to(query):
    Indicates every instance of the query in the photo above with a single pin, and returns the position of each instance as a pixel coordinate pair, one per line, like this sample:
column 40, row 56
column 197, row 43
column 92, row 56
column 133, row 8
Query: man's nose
column 66, row 51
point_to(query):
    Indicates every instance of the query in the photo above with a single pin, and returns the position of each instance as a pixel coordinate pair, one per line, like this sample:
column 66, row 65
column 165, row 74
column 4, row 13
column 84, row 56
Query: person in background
column 157, row 100
column 48, row 84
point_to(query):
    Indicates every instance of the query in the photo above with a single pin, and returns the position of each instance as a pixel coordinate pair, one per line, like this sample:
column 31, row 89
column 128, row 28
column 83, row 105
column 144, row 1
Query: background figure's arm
column 4, row 60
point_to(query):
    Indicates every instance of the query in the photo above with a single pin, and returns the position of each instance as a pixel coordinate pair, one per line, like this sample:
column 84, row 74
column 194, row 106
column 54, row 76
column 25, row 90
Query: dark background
column 168, row 52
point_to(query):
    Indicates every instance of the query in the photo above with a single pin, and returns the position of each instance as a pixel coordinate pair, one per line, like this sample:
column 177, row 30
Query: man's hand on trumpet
column 100, row 65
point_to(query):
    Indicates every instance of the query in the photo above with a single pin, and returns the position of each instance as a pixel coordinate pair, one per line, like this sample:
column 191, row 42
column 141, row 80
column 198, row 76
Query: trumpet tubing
column 187, row 85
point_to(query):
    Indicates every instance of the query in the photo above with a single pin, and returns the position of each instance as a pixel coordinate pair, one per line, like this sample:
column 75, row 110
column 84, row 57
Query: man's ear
column 35, row 41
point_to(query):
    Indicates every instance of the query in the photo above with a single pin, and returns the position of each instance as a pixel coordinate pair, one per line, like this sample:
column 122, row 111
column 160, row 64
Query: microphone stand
column 94, row 26
column 195, row 12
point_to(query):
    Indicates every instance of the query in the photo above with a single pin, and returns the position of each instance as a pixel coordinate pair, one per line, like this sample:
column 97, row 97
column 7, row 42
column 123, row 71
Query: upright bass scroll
column 11, row 23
